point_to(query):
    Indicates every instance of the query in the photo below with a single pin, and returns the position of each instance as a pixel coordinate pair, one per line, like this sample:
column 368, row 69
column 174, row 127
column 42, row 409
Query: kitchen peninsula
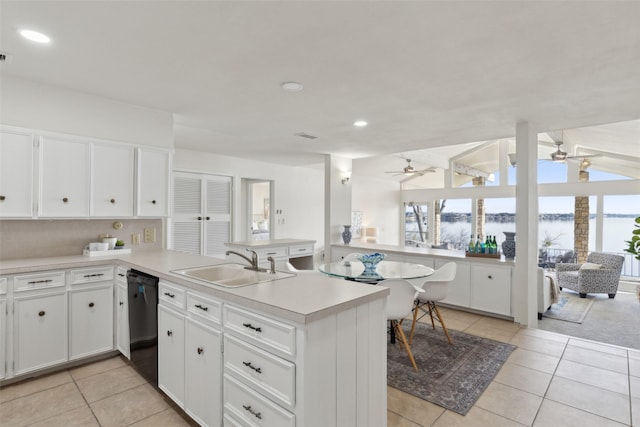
column 283, row 350
column 482, row 285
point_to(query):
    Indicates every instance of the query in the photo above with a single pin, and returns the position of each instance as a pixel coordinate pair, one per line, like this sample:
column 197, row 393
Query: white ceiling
column 423, row 73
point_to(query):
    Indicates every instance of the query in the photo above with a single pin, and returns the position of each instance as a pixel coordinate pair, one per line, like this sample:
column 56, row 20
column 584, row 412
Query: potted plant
column 634, row 243
column 119, row 244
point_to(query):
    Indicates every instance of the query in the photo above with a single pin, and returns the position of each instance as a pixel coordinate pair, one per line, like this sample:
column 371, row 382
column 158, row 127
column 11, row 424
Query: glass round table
column 354, row 270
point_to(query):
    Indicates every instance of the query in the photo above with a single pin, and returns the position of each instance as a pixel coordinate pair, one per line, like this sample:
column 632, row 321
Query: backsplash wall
column 44, row 238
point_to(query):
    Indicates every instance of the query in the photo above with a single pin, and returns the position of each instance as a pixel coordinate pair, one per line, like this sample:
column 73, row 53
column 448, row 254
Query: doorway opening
column 259, row 215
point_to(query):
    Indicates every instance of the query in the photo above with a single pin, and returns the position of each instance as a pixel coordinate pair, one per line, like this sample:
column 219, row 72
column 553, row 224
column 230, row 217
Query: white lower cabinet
column 459, row 289
column 3, row 342
column 491, row 289
column 90, row 321
column 171, row 353
column 40, row 331
column 203, row 373
column 122, row 321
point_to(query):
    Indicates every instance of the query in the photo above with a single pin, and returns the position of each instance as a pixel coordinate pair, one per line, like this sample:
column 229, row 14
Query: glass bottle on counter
column 472, row 245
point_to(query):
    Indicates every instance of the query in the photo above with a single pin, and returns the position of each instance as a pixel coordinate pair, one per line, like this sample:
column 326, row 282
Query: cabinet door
column 203, row 373
column 491, row 289
column 91, row 321
column 153, row 183
column 171, row 354
column 217, row 224
column 16, row 175
column 3, row 343
column 187, row 224
column 459, row 289
column 112, row 184
column 64, row 178
column 122, row 323
column 40, row 331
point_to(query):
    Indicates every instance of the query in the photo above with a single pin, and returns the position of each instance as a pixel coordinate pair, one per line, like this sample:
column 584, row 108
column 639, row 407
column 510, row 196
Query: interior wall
column 299, row 191
column 47, row 238
column 46, row 108
column 381, row 207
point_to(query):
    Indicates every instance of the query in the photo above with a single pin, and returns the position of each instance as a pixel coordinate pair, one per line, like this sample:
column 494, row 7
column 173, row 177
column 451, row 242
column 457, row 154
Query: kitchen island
column 324, row 338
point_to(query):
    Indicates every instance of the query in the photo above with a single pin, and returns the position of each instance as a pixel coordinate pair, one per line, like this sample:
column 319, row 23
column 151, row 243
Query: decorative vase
column 346, row 234
column 509, row 245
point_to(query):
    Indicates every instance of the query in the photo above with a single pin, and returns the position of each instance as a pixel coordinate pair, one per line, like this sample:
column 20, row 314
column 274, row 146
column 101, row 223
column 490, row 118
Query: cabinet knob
column 2, row 198
column 153, row 202
column 490, row 277
column 169, row 333
column 42, row 313
column 91, row 305
column 199, row 218
column 65, row 199
column 208, row 218
column 121, row 303
column 200, row 350
column 112, row 200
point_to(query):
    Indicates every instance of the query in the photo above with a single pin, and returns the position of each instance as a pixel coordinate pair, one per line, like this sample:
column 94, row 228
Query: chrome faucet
column 253, row 261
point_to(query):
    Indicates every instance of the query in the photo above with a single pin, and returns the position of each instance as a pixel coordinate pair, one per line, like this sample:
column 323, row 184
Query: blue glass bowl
column 370, row 261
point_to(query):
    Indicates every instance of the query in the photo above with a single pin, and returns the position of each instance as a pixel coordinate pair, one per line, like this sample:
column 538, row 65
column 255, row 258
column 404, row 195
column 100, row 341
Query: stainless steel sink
column 230, row 275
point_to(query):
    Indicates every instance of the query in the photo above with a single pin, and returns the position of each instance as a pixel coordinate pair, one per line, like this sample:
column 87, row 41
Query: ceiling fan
column 561, row 156
column 410, row 170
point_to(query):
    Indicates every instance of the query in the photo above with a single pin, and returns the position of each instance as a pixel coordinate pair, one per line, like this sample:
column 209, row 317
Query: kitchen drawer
column 38, row 281
column 89, row 275
column 204, row 307
column 267, row 333
column 302, row 250
column 252, row 409
column 272, row 252
column 171, row 296
column 3, row 285
column 121, row 275
column 271, row 375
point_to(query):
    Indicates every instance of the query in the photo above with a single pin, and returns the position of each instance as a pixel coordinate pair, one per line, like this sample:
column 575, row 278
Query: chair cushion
column 591, row 266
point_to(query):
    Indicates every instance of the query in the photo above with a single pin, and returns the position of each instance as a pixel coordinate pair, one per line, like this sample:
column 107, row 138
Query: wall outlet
column 149, row 235
column 135, row 239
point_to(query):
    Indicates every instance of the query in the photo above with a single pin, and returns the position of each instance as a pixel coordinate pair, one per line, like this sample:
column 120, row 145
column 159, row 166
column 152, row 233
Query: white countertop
column 303, row 298
column 408, row 250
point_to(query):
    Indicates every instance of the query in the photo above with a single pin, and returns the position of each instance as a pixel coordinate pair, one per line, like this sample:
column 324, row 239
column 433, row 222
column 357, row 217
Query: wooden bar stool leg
column 403, row 338
column 444, row 327
column 415, row 319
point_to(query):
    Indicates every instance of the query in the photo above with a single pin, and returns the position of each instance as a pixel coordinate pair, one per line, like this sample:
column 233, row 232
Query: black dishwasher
column 143, row 323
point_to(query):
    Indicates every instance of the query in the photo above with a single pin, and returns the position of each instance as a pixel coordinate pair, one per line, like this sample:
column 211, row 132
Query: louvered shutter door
column 218, row 208
column 187, row 207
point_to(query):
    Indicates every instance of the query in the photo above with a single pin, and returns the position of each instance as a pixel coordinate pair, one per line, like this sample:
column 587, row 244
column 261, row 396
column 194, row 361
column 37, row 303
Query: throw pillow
column 590, row 266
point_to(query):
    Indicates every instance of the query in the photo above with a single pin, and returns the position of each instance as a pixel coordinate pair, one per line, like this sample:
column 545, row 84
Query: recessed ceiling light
column 291, row 86
column 35, row 36
column 360, row 123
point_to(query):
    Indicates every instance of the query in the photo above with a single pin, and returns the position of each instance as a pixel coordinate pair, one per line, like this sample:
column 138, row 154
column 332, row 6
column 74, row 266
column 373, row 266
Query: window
column 416, row 224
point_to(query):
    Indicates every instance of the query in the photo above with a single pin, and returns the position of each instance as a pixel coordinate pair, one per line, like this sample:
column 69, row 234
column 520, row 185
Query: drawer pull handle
column 169, row 333
column 271, row 253
column 202, row 308
column 93, row 275
column 41, row 313
column 33, row 282
column 250, row 366
column 169, row 295
column 200, row 350
column 91, row 305
column 120, row 274
column 247, row 408
column 302, row 250
column 250, row 326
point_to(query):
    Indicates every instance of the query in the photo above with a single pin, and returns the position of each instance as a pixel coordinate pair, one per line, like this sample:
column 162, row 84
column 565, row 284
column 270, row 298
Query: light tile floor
column 549, row 380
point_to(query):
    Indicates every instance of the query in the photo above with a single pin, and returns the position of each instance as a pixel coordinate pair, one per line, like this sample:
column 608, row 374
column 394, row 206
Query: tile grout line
column 85, row 398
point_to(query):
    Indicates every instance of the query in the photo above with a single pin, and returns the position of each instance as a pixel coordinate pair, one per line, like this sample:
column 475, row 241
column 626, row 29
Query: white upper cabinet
column 112, row 180
column 152, row 198
column 16, row 174
column 64, row 178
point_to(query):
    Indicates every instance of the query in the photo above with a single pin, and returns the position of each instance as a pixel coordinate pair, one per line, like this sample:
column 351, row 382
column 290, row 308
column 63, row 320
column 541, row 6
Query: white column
column 337, row 200
column 524, row 299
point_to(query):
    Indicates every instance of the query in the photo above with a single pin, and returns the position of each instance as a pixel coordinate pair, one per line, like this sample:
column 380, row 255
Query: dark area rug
column 450, row 375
